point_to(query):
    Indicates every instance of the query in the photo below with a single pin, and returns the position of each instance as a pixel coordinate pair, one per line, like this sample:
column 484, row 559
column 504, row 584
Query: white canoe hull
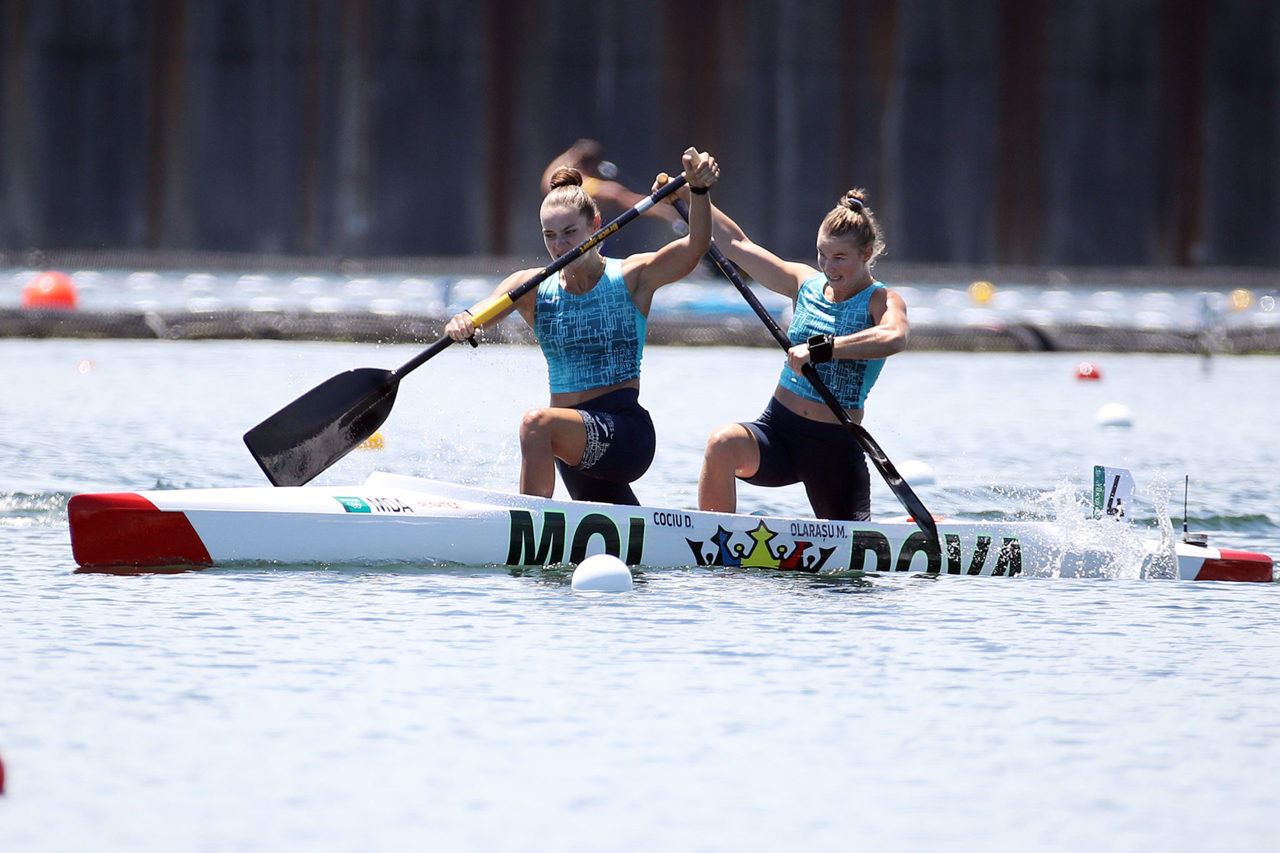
column 394, row 520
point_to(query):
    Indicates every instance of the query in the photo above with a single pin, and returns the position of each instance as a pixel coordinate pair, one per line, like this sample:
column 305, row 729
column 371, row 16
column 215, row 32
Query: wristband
column 821, row 348
column 699, row 190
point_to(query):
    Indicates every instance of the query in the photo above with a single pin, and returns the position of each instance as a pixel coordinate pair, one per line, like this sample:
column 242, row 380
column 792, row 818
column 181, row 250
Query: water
column 352, row 709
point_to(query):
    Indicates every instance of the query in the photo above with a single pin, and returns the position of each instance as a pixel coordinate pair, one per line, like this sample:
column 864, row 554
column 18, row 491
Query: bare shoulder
column 886, row 302
column 633, row 264
column 885, row 295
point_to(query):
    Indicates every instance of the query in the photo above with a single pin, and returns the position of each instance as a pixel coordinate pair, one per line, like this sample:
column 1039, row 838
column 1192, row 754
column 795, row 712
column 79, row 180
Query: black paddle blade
column 323, row 425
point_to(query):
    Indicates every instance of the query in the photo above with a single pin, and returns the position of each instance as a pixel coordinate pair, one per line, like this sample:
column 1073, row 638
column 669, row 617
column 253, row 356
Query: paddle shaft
column 900, row 488
column 329, row 421
column 504, row 301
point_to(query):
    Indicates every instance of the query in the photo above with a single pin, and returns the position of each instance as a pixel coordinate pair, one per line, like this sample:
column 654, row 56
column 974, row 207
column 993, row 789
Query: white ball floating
column 917, row 473
column 1114, row 415
column 602, row 573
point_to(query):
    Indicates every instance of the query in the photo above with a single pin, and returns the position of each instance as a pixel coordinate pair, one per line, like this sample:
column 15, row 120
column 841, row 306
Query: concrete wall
column 1089, row 132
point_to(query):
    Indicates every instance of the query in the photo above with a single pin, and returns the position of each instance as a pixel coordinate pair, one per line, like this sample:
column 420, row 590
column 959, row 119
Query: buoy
column 1, row 777
column 373, row 442
column 982, row 291
column 1241, row 298
column 917, row 473
column 1114, row 415
column 602, row 573
column 49, row 290
column 1088, row 370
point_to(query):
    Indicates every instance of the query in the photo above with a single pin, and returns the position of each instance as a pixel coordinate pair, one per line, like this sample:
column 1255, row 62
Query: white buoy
column 602, row 573
column 917, row 473
column 1114, row 415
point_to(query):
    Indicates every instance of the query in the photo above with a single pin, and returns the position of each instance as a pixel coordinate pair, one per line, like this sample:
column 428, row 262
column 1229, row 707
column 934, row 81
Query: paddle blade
column 323, row 425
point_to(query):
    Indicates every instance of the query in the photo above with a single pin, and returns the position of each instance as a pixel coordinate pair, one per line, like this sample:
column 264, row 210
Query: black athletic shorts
column 620, row 445
column 825, row 457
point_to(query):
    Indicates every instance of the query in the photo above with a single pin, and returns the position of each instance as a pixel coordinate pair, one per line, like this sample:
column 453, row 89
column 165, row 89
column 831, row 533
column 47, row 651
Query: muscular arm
column 887, row 337
column 462, row 325
column 646, row 272
column 778, row 275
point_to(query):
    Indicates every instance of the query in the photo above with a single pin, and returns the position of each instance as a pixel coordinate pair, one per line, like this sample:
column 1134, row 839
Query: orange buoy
column 1088, row 370
column 49, row 290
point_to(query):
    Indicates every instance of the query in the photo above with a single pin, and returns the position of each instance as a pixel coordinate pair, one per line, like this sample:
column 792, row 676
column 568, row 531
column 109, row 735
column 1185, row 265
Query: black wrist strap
column 699, row 190
column 821, row 348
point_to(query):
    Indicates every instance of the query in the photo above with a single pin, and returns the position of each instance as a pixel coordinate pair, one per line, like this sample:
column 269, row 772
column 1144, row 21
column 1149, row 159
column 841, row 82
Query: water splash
column 25, row 509
column 1084, row 546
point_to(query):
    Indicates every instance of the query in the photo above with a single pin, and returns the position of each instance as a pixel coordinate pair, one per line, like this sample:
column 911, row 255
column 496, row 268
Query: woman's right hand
column 460, row 327
column 660, row 181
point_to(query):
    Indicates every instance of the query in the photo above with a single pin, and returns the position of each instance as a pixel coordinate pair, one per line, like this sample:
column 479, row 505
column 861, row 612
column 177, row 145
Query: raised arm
column 646, row 272
column 780, row 276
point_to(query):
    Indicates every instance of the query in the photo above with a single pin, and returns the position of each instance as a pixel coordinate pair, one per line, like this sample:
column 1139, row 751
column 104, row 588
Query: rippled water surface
column 352, row 709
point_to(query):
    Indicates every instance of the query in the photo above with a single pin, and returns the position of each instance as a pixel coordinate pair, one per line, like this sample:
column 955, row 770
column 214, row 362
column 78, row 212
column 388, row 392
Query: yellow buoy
column 982, row 291
column 1241, row 298
column 373, row 442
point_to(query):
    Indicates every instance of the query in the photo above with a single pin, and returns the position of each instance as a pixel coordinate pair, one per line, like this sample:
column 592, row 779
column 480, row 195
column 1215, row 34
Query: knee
column 535, row 423
column 725, row 445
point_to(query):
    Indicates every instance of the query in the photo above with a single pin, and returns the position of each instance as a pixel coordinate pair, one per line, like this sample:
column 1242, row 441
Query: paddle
column 914, row 506
column 329, row 421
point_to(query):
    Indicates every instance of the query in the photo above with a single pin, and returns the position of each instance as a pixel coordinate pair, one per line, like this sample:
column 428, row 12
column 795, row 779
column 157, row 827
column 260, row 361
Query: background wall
column 1089, row 132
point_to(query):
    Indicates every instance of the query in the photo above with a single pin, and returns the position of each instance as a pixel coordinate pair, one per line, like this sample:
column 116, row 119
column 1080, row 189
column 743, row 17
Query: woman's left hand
column 798, row 357
column 700, row 169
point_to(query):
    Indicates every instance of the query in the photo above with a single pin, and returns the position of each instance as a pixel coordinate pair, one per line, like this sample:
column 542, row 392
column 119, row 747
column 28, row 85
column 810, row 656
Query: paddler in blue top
column 590, row 321
column 798, row 438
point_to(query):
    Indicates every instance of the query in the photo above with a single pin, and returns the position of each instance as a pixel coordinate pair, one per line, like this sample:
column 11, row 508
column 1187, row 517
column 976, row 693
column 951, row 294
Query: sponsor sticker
column 353, row 504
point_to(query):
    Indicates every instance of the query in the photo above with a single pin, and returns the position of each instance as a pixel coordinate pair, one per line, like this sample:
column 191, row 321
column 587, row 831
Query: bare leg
column 544, row 435
column 731, row 452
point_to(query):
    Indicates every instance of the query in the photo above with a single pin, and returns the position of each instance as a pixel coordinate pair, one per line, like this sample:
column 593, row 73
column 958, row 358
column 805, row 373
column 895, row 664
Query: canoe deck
column 394, row 520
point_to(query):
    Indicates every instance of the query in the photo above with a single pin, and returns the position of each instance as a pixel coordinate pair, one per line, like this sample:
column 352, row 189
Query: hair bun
column 566, row 176
column 854, row 200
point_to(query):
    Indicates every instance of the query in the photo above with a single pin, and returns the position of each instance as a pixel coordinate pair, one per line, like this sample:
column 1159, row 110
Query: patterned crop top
column 850, row 379
column 591, row 339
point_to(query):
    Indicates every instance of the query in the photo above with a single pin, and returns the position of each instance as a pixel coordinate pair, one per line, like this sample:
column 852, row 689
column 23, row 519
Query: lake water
column 456, row 709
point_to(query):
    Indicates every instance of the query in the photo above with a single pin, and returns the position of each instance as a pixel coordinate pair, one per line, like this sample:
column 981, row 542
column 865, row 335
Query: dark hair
column 589, row 153
column 852, row 218
column 567, row 191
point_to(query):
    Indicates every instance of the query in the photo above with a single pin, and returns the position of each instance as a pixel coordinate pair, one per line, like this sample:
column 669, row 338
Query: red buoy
column 1088, row 370
column 49, row 290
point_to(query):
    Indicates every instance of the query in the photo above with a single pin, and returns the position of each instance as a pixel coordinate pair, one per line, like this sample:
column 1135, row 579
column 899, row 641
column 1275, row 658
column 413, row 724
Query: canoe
column 395, row 520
